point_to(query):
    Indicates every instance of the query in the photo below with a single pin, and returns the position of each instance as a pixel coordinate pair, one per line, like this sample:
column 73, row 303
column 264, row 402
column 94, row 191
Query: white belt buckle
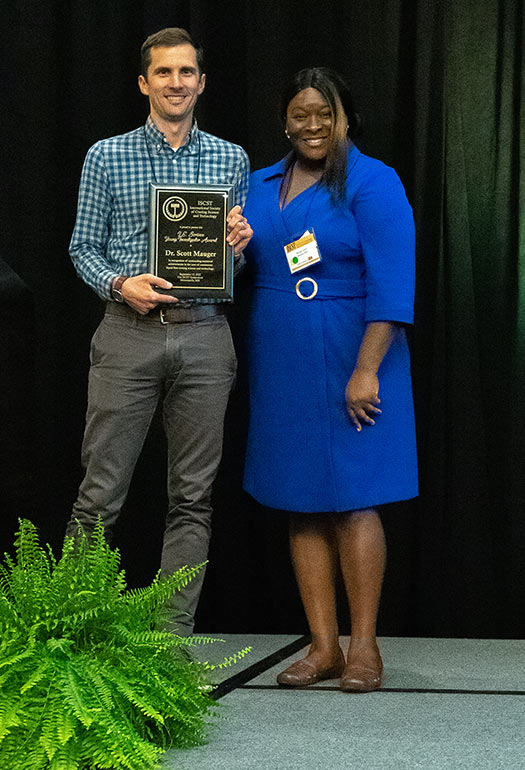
column 162, row 316
column 315, row 288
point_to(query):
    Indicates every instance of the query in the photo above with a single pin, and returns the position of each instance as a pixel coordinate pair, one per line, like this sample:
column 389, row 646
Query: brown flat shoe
column 302, row 673
column 357, row 677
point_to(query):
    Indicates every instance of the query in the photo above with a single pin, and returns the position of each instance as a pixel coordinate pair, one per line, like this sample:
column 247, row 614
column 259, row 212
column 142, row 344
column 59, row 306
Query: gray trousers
column 135, row 362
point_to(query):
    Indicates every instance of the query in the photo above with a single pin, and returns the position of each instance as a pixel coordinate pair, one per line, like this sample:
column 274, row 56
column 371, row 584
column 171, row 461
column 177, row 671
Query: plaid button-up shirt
column 110, row 237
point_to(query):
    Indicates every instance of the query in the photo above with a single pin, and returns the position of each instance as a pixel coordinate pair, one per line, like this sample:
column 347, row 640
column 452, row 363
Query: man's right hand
column 139, row 292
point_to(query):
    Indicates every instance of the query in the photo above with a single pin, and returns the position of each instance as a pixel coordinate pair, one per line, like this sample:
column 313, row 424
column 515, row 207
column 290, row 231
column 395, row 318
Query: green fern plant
column 86, row 682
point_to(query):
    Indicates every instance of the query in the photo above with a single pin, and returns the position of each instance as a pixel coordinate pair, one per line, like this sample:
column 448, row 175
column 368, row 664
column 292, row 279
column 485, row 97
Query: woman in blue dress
column 331, row 434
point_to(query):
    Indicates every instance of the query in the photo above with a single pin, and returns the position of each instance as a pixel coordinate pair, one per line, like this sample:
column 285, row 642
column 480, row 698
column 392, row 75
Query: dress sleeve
column 386, row 229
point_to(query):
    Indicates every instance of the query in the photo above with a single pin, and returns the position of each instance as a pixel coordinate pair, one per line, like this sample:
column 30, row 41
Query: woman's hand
column 362, row 398
column 239, row 231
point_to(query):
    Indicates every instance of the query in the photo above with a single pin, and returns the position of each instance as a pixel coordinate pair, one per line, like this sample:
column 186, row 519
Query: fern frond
column 154, row 638
column 35, row 759
column 229, row 660
column 132, row 694
column 5, row 580
column 30, row 556
column 9, row 714
column 161, row 589
column 66, row 726
column 94, row 673
column 9, row 617
column 119, row 752
column 58, row 724
column 16, row 658
column 60, row 645
column 36, row 677
column 74, row 695
column 200, row 640
column 65, row 758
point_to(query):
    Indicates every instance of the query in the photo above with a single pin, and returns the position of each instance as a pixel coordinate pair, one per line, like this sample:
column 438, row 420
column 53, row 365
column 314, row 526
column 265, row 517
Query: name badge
column 302, row 253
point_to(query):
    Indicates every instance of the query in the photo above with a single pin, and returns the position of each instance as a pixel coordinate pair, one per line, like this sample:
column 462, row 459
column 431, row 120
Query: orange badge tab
column 302, row 253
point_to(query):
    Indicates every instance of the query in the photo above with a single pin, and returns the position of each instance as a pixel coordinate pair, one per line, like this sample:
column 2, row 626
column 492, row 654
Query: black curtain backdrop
column 440, row 88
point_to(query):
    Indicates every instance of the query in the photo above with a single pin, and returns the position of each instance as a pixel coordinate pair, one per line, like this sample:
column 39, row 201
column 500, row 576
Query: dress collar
column 279, row 169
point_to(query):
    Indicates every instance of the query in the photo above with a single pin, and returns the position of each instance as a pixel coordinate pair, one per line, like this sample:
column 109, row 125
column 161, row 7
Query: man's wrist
column 116, row 288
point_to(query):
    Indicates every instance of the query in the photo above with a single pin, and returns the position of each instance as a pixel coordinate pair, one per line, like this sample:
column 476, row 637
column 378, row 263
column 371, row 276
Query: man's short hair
column 168, row 37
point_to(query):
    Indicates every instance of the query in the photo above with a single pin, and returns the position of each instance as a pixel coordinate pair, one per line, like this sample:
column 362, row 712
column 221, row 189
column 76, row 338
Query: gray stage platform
column 446, row 703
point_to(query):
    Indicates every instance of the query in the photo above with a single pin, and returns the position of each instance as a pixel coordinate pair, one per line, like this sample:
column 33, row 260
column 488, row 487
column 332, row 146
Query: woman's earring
column 287, row 134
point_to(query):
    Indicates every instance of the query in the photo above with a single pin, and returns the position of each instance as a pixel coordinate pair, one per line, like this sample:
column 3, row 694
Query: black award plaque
column 187, row 240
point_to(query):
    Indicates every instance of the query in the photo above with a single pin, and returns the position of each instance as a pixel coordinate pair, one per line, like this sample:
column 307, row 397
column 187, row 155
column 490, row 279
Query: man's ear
column 143, row 85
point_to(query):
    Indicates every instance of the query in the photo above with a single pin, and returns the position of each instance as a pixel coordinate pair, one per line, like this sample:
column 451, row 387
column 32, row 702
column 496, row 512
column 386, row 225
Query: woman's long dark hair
column 337, row 94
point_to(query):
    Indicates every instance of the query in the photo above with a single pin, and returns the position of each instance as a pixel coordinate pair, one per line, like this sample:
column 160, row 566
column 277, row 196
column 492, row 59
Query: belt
column 167, row 314
column 307, row 288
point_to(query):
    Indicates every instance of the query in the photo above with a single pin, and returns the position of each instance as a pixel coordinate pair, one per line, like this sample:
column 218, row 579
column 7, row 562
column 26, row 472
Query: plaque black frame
column 193, row 204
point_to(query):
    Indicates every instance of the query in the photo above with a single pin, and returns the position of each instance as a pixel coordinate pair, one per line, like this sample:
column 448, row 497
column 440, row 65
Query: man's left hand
column 239, row 231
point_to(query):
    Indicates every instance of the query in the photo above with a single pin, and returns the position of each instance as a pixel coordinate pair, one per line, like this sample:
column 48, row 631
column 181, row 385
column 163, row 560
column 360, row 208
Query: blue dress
column 303, row 452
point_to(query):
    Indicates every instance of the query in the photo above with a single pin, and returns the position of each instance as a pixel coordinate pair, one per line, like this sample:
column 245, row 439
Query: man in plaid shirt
column 151, row 346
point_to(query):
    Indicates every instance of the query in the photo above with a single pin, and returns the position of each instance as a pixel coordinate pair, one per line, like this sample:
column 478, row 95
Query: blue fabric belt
column 328, row 288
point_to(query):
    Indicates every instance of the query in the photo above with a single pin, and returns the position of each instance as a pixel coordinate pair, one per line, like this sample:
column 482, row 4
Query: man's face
column 173, row 83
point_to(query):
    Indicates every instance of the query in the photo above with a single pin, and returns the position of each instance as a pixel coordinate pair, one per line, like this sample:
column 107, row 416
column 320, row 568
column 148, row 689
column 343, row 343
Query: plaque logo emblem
column 175, row 208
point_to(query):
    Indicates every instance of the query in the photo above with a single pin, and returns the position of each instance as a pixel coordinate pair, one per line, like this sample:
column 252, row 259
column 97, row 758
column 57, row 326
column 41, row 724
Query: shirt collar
column 158, row 139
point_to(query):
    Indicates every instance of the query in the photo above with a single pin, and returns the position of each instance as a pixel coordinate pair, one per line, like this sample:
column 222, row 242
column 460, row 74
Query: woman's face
column 309, row 125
